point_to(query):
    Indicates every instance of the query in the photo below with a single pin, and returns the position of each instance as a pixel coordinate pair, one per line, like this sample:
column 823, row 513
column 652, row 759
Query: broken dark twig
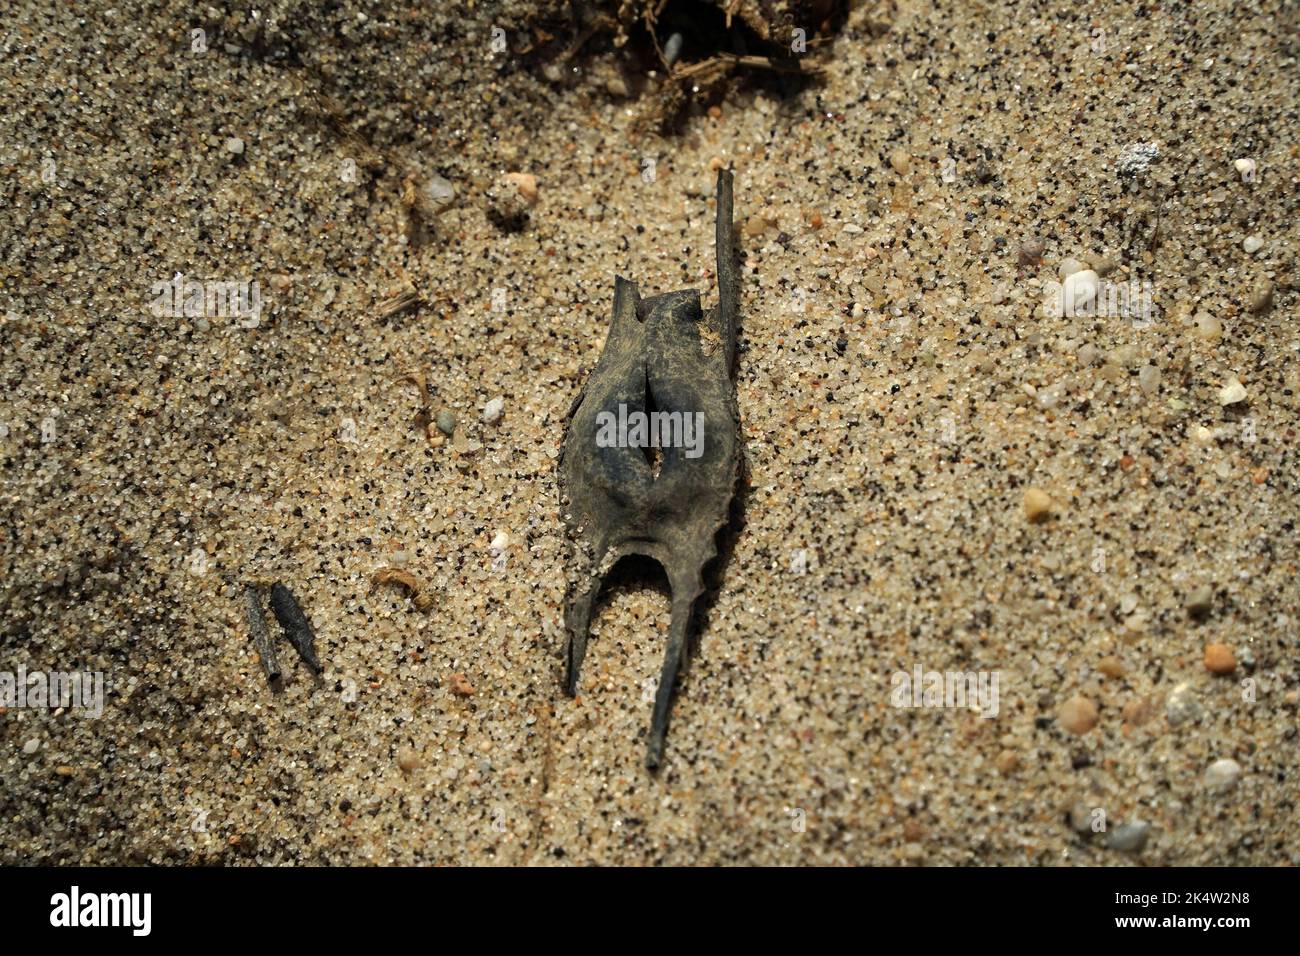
column 654, row 363
column 297, row 629
column 257, row 628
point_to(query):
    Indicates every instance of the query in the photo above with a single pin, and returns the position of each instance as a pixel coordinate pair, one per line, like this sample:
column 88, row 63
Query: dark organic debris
column 257, row 628
column 656, row 360
column 676, row 54
column 297, row 629
column 424, row 417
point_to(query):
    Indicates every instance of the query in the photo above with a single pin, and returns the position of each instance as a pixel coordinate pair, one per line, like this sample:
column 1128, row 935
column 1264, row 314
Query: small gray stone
column 1200, row 600
column 1136, row 157
column 1261, row 300
column 1030, row 252
column 1102, row 265
column 31, row 746
column 1130, row 837
column 235, row 145
column 446, row 422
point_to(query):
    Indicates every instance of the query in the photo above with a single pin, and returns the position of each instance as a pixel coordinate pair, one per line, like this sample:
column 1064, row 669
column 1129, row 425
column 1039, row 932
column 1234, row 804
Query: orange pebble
column 1219, row 659
column 460, row 686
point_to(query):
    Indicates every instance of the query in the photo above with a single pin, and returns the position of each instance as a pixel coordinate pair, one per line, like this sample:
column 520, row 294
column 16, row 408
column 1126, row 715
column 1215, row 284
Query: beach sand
column 901, row 388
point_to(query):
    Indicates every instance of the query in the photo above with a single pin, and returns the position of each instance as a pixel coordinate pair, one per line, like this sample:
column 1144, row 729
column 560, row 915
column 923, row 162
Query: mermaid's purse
column 650, row 458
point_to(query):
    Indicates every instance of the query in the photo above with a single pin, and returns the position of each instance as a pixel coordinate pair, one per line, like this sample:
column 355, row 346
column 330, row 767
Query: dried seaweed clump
column 677, row 53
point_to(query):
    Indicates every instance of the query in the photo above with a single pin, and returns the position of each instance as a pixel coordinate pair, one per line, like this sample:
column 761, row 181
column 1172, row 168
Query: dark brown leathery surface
column 619, row 506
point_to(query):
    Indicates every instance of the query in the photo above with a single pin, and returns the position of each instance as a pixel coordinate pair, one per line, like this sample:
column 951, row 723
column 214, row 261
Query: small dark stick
column 297, row 629
column 261, row 640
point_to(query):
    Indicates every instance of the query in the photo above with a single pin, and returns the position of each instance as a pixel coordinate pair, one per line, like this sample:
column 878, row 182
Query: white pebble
column 31, row 746
column 1245, row 166
column 1232, row 392
column 1252, row 244
column 1079, row 290
column 439, row 190
column 1222, row 775
column 1208, row 326
column 1149, row 379
column 493, row 409
column 500, row 542
column 234, row 145
column 1069, row 267
column 1182, row 705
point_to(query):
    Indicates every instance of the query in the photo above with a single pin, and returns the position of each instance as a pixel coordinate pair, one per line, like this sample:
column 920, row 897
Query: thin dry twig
column 420, row 596
column 398, row 303
column 732, row 59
